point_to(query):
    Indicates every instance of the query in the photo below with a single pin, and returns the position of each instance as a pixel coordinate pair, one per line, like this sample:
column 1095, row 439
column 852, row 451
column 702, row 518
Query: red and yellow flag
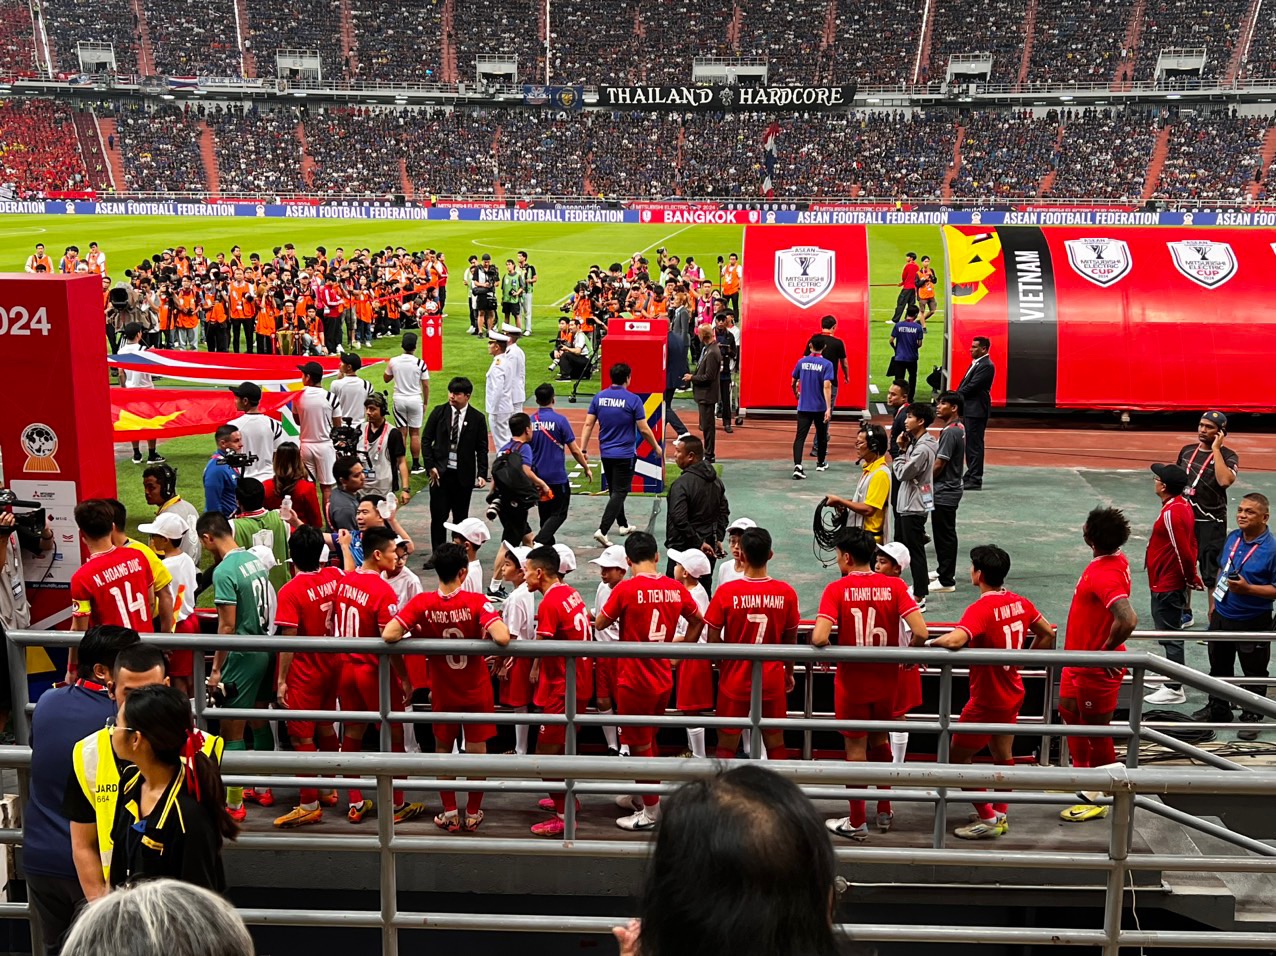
column 142, row 413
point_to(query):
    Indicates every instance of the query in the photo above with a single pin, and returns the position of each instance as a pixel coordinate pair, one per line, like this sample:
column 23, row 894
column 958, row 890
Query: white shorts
column 408, row 413
column 319, row 457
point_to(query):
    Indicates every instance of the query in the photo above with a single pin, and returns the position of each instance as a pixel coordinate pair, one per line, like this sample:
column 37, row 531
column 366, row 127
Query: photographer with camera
column 220, row 478
column 484, row 281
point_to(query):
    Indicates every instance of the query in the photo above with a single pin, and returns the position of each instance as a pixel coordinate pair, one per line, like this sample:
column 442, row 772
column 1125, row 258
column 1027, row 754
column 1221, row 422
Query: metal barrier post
column 1119, row 840
column 569, row 707
column 384, row 738
column 1136, row 717
column 755, row 711
column 808, row 707
column 940, row 833
column 389, row 874
column 199, row 687
column 1047, row 707
column 20, row 692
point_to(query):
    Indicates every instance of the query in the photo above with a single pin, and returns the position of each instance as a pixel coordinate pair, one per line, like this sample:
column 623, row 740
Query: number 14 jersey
column 867, row 608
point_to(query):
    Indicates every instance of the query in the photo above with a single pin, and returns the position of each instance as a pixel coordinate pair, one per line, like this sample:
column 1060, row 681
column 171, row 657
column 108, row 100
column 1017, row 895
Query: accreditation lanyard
column 1190, row 491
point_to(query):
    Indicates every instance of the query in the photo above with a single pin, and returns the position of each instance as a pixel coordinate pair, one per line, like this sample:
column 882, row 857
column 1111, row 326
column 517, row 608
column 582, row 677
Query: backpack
column 511, row 481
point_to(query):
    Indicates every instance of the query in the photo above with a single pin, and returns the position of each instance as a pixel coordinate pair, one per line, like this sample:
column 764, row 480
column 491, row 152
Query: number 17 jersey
column 867, row 608
column 999, row 620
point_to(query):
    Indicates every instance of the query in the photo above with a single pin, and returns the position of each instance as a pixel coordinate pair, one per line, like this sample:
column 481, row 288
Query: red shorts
column 312, row 685
column 555, row 735
column 1094, row 689
column 605, row 679
column 357, row 687
column 635, row 703
column 974, row 713
column 480, row 703
column 695, row 685
column 418, row 668
column 847, row 708
column 908, row 692
column 773, row 708
column 516, row 688
column 182, row 663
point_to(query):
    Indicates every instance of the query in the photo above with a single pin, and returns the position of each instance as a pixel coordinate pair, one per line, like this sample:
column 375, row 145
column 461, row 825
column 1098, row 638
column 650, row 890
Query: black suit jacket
column 471, row 447
column 976, row 388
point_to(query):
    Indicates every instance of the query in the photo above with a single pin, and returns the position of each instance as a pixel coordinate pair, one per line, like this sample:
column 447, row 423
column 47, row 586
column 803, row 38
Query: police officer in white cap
column 518, row 366
column 500, row 400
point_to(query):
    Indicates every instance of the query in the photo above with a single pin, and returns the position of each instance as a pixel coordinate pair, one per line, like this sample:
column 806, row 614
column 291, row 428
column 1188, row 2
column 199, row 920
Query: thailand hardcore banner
column 768, row 99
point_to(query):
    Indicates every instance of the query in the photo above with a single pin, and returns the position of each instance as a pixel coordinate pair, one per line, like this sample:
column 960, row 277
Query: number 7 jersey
column 867, row 608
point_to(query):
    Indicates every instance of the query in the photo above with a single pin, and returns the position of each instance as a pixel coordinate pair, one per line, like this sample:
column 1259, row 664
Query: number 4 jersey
column 867, row 607
column 648, row 607
column 113, row 587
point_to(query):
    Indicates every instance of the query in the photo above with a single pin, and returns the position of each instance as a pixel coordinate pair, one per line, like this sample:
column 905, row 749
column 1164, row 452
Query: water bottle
column 285, row 508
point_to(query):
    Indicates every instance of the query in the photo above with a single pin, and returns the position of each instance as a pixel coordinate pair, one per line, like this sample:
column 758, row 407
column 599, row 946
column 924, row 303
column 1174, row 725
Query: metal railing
column 1129, row 787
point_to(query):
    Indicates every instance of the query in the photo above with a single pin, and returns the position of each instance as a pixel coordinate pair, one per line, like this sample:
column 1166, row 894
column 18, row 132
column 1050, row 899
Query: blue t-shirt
column 1255, row 561
column 618, row 411
column 908, row 337
column 551, row 434
column 63, row 717
column 524, row 452
column 220, row 481
column 811, row 372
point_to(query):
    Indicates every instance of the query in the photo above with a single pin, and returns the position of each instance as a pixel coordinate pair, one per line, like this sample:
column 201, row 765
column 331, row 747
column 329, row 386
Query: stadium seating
column 1210, row 24
column 603, row 52
column 38, row 147
column 498, row 27
column 884, row 55
column 681, row 26
column 69, row 22
column 17, row 45
column 978, row 26
column 1211, row 157
column 633, row 154
column 787, row 33
column 391, row 46
column 540, row 155
column 190, row 41
column 358, row 150
column 899, row 154
column 160, row 149
column 1005, row 154
column 296, row 25
column 257, row 152
column 450, row 152
column 1078, row 42
column 723, row 157
column 1104, row 153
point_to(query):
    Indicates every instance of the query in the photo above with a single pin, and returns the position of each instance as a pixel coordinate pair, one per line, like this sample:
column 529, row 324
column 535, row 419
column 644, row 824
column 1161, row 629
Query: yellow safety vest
column 98, row 774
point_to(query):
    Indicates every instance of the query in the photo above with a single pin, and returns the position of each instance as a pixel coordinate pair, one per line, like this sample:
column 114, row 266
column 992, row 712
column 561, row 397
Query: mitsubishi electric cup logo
column 1205, row 262
column 804, row 274
column 1103, row 261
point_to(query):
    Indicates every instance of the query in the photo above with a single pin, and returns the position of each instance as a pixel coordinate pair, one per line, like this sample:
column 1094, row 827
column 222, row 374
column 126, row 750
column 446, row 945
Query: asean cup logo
column 1104, row 262
column 646, row 215
column 805, row 274
column 1207, row 263
column 40, row 442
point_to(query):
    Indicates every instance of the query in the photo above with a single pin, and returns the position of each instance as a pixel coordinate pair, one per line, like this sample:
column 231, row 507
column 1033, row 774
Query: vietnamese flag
column 143, row 413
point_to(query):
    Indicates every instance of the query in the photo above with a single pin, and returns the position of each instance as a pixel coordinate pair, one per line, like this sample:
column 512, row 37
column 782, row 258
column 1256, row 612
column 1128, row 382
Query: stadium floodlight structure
column 95, row 57
column 968, row 66
column 303, row 66
column 729, row 70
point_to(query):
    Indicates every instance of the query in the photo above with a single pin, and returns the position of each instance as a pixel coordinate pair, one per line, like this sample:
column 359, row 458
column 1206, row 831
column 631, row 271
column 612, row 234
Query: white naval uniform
column 499, row 398
column 517, row 375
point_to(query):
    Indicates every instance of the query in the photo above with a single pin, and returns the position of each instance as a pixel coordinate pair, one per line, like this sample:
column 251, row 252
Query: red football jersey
column 867, row 608
column 306, row 603
column 365, row 604
column 562, row 616
column 999, row 620
column 114, row 587
column 752, row 611
column 463, row 616
column 648, row 608
column 1105, row 581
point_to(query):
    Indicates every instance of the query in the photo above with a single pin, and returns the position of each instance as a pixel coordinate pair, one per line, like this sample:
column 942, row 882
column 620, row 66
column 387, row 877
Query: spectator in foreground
column 160, row 918
column 742, row 865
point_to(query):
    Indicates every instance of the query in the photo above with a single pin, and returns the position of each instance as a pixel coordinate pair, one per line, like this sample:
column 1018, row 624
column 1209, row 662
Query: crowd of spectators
column 899, row 154
column 393, row 44
column 498, row 27
column 633, row 154
column 68, row 22
column 1260, row 58
column 1212, row 25
column 686, row 29
column 596, row 41
column 293, row 24
column 787, row 34
column 193, row 41
column 884, row 55
column 1005, row 154
column 257, row 151
column 160, row 148
column 17, row 46
column 1104, row 153
column 722, row 156
column 358, row 150
column 1212, row 156
column 39, row 151
column 539, row 154
column 449, row 152
column 1078, row 42
column 978, row 26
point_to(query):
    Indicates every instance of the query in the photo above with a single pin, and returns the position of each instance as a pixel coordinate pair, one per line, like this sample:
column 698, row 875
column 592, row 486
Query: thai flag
column 768, row 158
column 183, row 82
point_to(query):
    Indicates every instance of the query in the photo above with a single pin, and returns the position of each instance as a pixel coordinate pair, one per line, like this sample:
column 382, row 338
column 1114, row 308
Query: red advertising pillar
column 56, row 437
column 432, row 342
column 794, row 276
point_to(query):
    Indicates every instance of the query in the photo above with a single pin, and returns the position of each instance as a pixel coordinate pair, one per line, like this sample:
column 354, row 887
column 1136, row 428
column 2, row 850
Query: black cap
column 352, row 359
column 1173, row 477
column 311, row 369
column 487, row 257
column 248, row 390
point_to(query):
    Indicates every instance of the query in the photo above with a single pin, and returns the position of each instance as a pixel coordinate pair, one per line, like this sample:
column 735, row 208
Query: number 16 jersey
column 867, row 608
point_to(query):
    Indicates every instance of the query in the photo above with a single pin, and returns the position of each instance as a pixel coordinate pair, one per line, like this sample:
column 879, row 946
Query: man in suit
column 976, row 389
column 454, row 451
column 706, row 386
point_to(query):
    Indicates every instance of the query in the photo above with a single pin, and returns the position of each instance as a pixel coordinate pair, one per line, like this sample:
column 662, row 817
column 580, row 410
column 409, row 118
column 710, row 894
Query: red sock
column 1102, row 751
column 328, row 743
column 986, row 811
column 474, row 803
column 308, row 794
column 777, row 753
column 560, row 802
column 1002, row 808
column 858, row 813
column 449, row 800
column 398, row 798
column 724, row 753
column 1080, row 748
column 352, row 745
column 881, row 753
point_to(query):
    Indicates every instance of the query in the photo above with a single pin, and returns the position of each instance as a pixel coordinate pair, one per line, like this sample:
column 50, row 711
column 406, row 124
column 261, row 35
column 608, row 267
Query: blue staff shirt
column 220, row 481
column 618, row 411
column 907, row 337
column 551, row 434
column 811, row 372
column 1255, row 561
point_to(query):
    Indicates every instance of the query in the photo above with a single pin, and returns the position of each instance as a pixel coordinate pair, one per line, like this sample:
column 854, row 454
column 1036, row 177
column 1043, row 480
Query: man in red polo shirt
column 907, row 286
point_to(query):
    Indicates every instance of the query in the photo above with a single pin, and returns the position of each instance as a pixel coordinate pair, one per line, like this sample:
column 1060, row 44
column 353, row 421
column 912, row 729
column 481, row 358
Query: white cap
column 497, row 336
column 613, row 557
column 566, row 558
column 166, row 525
column 897, row 552
column 741, row 524
column 471, row 529
column 509, row 329
column 693, row 561
column 518, row 552
column 265, row 555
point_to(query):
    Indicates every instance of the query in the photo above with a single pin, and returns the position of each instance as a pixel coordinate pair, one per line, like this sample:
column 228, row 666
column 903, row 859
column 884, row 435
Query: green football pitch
column 561, row 253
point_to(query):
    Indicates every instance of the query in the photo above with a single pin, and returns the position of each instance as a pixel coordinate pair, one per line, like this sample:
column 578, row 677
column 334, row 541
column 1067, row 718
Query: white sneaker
column 842, row 827
column 1165, row 694
column 627, row 801
column 943, row 589
column 644, row 819
column 934, row 575
column 798, row 473
column 885, row 821
column 601, row 538
column 921, row 605
column 624, row 531
column 822, row 466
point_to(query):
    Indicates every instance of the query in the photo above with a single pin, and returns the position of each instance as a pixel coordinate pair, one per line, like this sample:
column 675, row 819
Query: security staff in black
column 1211, row 469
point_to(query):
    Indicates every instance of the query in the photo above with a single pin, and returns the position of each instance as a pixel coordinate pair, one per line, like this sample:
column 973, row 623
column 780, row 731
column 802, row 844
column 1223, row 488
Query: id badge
column 1190, row 492
column 928, row 498
column 1220, row 587
column 451, row 460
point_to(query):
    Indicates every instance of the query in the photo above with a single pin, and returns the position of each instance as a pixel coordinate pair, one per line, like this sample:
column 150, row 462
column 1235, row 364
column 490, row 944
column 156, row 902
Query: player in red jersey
column 458, row 684
column 754, row 609
column 365, row 603
column 308, row 681
column 1099, row 619
column 647, row 605
column 562, row 616
column 999, row 620
column 867, row 608
column 115, row 585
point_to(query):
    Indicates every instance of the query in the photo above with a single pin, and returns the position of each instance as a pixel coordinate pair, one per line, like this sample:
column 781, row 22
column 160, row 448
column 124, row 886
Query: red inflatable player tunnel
column 1156, row 319
column 793, row 277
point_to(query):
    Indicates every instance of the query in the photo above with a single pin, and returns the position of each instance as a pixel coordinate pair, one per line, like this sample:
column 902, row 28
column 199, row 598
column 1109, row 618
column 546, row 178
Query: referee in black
column 834, row 349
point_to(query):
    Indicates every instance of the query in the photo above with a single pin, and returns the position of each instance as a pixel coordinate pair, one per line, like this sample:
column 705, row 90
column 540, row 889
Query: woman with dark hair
column 292, row 479
column 742, row 865
column 171, row 818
